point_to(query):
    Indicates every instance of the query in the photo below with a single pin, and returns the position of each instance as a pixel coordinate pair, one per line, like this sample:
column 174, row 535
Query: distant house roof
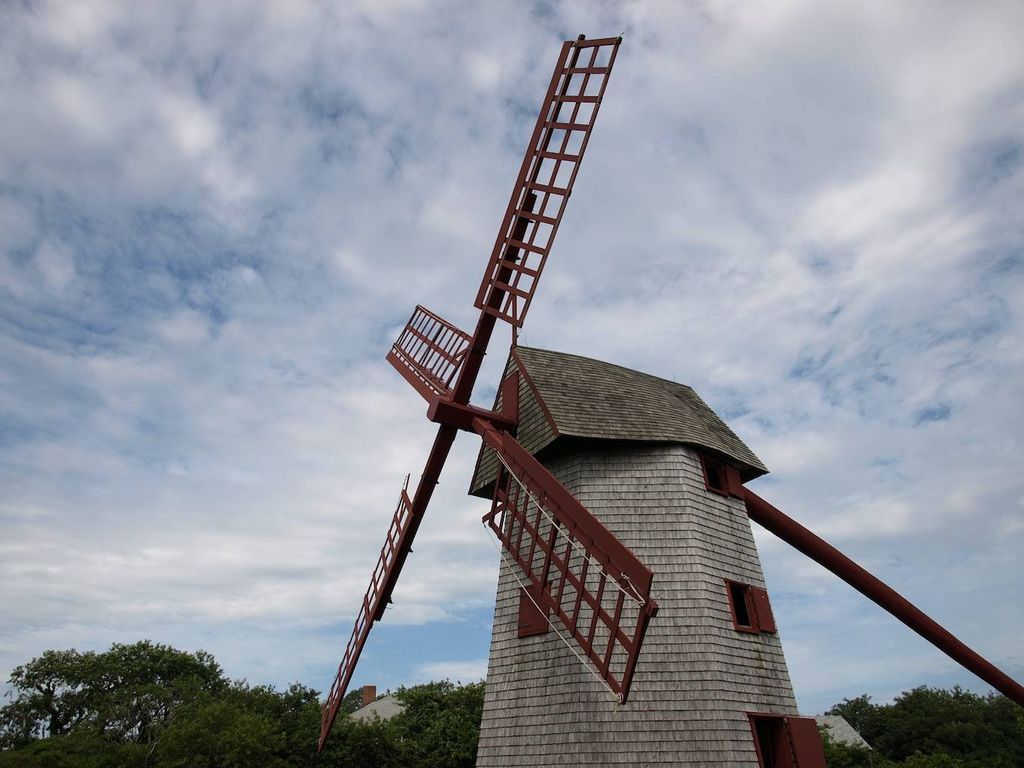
column 383, row 708
column 568, row 396
column 841, row 731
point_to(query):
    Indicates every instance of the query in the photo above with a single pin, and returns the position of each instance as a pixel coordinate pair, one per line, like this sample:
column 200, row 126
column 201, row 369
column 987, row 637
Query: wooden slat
column 526, row 500
column 491, row 297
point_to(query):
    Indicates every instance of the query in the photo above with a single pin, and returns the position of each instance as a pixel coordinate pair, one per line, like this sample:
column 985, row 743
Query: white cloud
column 56, row 264
column 215, row 220
column 457, row 671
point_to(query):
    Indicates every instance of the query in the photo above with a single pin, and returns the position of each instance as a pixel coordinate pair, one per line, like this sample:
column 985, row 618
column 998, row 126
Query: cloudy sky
column 215, row 218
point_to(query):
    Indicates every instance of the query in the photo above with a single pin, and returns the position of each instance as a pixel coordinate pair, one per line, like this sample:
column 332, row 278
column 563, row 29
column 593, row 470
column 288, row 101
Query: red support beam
column 461, row 416
column 823, row 553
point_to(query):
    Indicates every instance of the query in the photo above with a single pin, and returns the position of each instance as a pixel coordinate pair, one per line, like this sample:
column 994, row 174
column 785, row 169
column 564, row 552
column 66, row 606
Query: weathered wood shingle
column 696, row 676
column 568, row 396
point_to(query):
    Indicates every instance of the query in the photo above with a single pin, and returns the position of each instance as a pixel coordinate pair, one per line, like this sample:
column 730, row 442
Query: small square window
column 714, row 476
column 720, row 477
column 738, row 601
column 751, row 611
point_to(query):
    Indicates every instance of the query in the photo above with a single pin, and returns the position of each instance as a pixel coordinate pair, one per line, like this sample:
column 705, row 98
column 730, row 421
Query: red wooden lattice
column 428, row 352
column 546, row 177
column 370, row 610
column 573, row 566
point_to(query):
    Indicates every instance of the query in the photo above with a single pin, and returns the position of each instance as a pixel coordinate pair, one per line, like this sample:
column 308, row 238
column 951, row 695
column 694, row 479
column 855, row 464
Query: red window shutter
column 733, row 482
column 806, row 742
column 772, row 741
column 741, row 606
column 763, row 610
column 532, row 620
column 748, row 597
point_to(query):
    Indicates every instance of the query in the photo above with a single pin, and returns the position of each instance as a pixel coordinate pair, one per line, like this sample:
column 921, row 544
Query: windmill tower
column 655, row 464
column 619, row 505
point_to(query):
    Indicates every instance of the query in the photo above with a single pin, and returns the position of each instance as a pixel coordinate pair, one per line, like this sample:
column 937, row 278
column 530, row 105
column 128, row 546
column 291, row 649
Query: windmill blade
column 429, row 352
column 574, row 568
column 546, row 177
column 397, row 547
column 372, row 608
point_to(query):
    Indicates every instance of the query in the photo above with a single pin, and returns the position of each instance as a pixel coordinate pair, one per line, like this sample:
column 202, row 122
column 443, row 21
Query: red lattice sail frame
column 546, row 177
column 574, row 567
column 428, row 352
column 370, row 610
column 431, row 353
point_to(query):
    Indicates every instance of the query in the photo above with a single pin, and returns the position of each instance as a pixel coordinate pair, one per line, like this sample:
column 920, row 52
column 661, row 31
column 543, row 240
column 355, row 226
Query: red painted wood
column 532, row 620
column 557, row 560
column 510, row 398
column 794, row 534
column 371, row 609
column 431, row 352
column 733, row 482
column 428, row 352
column 460, row 416
column 540, row 194
column 805, row 740
column 771, row 740
column 715, row 476
column 735, row 590
column 763, row 610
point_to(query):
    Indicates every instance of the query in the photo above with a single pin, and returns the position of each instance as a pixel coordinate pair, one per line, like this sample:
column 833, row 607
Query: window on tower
column 786, row 742
column 741, row 613
column 714, row 475
column 751, row 611
column 720, row 477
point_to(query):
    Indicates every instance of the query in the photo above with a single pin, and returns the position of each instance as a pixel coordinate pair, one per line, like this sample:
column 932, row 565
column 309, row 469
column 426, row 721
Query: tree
column 126, row 694
column 147, row 705
column 350, row 702
column 440, row 725
column 860, row 713
column 839, row 755
column 935, row 728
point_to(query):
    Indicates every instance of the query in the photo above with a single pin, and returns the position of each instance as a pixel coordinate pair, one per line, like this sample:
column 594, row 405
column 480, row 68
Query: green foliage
column 839, row 755
column 859, row 713
column 150, row 706
column 126, row 694
column 363, row 745
column 350, row 702
column 934, row 728
column 242, row 726
column 147, row 705
column 440, row 725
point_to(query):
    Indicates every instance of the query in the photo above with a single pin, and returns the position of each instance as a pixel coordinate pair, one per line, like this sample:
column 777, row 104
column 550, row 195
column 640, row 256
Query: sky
column 216, row 217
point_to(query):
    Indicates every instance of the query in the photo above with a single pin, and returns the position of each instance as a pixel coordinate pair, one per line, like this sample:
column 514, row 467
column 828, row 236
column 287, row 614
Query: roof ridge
column 631, row 371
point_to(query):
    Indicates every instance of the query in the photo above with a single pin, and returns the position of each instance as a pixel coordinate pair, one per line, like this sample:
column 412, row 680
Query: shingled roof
column 568, row 396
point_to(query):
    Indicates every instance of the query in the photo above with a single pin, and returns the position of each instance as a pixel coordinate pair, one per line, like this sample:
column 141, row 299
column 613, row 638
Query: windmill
column 574, row 583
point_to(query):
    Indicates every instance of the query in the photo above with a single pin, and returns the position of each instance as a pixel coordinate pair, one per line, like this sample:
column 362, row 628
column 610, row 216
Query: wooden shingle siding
column 535, row 431
column 590, row 399
column 696, row 676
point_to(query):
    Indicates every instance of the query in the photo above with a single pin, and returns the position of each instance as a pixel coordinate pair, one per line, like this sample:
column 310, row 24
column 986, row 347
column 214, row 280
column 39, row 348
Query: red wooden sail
column 370, row 610
column 442, row 362
column 576, row 570
column 428, row 352
column 546, row 176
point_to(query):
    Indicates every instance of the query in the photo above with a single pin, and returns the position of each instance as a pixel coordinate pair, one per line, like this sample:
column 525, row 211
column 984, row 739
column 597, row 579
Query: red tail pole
column 819, row 550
